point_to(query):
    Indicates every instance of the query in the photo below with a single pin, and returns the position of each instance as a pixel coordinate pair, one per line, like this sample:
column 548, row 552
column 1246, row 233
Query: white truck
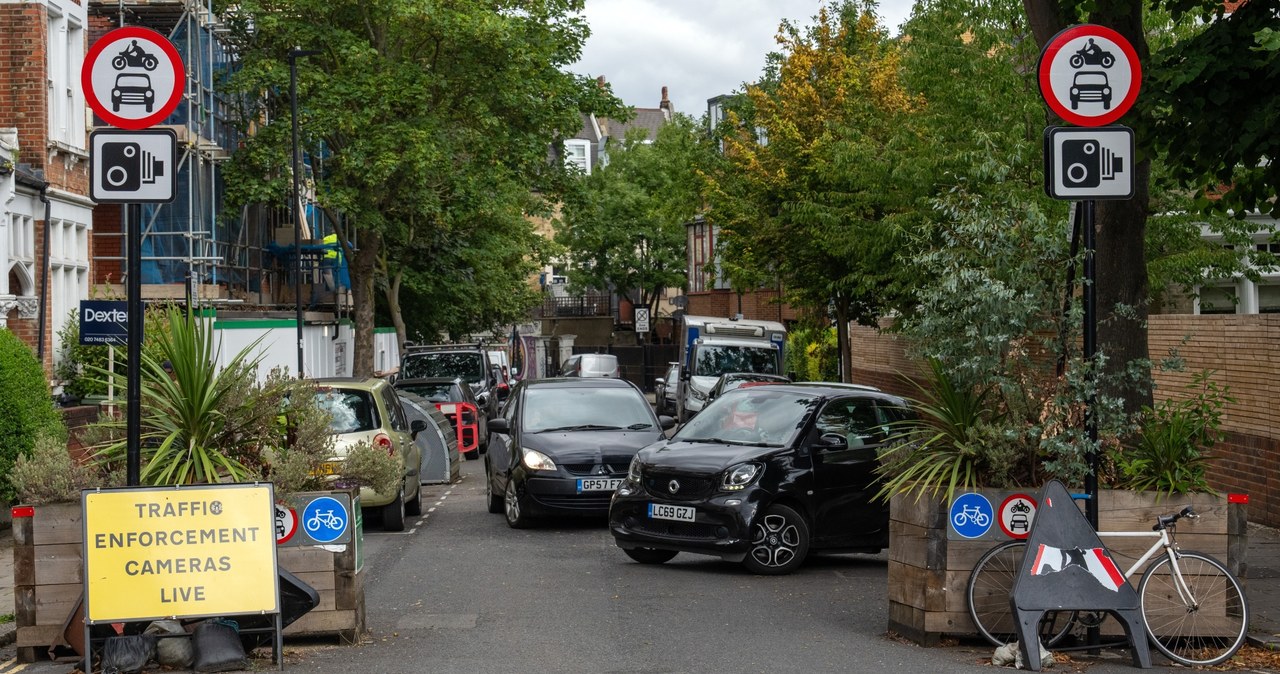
column 713, row 346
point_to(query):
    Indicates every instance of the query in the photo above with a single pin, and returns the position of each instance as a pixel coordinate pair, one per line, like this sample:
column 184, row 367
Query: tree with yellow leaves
column 806, row 193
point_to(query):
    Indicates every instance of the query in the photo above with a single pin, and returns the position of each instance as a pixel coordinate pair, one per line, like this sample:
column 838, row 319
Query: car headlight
column 633, row 472
column 738, row 477
column 535, row 460
column 697, row 395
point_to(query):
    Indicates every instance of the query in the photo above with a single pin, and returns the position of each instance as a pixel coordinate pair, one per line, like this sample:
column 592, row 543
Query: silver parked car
column 591, row 365
column 664, row 390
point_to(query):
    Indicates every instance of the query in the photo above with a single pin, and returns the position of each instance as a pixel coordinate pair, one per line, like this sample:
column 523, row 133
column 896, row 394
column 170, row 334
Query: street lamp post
column 295, row 208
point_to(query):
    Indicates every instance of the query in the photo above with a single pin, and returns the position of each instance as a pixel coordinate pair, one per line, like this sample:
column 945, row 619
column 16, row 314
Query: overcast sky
column 696, row 48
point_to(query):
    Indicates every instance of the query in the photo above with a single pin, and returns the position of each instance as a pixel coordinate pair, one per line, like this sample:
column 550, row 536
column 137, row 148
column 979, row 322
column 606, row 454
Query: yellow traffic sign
column 161, row 552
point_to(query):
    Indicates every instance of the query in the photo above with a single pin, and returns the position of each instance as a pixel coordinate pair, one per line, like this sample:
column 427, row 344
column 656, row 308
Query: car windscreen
column 713, row 361
column 350, row 411
column 585, row 408
column 442, row 392
column 468, row 367
column 753, row 416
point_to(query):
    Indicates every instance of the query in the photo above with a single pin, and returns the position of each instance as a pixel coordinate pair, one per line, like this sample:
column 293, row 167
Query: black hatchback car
column 561, row 446
column 762, row 476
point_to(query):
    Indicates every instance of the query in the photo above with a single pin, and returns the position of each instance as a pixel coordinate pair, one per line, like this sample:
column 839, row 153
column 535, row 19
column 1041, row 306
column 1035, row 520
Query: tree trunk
column 1122, row 289
column 363, row 273
column 1121, row 253
column 393, row 306
column 842, row 342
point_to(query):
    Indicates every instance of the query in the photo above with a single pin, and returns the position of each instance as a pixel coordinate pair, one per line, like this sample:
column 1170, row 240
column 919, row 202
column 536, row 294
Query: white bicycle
column 1194, row 608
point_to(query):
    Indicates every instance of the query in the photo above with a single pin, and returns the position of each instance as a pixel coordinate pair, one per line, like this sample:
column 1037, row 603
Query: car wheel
column 414, row 507
column 651, row 555
column 514, row 506
column 393, row 514
column 495, row 500
column 779, row 542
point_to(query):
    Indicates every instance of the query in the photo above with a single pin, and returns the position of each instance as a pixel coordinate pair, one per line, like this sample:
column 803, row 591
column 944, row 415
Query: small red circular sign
column 286, row 523
column 1016, row 514
column 1089, row 75
column 133, row 77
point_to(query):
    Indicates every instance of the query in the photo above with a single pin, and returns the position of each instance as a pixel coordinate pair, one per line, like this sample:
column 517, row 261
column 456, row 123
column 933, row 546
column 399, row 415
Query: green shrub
column 366, row 466
column 26, row 407
column 1170, row 452
column 49, row 475
column 79, row 364
column 812, row 354
column 205, row 424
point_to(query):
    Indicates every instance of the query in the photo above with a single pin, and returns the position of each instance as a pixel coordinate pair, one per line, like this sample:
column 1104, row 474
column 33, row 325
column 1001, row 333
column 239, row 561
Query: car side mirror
column 499, row 425
column 666, row 422
column 417, row 426
column 482, row 399
column 832, row 442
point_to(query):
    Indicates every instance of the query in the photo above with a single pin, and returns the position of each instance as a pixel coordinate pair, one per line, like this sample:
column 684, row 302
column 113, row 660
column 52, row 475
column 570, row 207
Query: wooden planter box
column 928, row 573
column 48, row 580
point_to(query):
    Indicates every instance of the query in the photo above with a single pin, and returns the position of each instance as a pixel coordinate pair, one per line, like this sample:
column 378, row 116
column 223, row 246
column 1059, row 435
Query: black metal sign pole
column 1090, row 348
column 133, row 421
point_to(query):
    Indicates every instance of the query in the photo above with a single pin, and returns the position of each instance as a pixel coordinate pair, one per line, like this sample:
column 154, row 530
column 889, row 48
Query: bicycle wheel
column 1205, row 631
column 988, row 592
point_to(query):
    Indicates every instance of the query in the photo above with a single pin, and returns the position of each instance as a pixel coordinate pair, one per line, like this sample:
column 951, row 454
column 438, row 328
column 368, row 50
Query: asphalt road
column 461, row 592
column 465, row 593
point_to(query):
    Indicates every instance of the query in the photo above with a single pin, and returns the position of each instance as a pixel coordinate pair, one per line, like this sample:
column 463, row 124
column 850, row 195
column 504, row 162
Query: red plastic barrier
column 466, row 423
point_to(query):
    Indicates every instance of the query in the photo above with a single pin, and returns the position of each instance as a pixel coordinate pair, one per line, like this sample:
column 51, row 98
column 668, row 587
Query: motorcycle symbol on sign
column 1092, row 54
column 134, row 56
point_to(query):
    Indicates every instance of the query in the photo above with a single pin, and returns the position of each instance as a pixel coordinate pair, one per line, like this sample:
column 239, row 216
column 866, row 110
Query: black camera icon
column 126, row 167
column 1085, row 163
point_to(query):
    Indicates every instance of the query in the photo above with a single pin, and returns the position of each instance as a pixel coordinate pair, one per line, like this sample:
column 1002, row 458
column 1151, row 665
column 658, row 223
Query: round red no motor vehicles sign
column 132, row 77
column 1089, row 75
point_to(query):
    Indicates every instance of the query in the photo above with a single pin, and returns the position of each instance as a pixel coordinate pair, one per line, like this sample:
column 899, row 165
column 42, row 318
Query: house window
column 65, row 56
column 1217, row 300
column 578, row 153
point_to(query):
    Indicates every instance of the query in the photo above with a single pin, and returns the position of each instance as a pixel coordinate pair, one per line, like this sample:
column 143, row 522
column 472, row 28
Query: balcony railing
column 589, row 304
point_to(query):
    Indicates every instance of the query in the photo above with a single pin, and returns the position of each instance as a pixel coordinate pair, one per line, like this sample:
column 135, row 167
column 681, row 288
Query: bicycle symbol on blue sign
column 325, row 519
column 971, row 515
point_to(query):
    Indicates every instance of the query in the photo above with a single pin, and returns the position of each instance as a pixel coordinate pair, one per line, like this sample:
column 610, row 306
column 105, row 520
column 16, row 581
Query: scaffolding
column 191, row 249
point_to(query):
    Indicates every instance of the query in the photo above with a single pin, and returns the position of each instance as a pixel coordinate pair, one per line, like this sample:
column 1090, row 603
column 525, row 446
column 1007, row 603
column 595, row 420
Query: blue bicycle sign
column 325, row 519
column 971, row 515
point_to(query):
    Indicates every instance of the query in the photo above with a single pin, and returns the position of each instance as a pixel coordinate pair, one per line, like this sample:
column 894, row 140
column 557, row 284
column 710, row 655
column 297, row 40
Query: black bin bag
column 217, row 648
column 127, row 654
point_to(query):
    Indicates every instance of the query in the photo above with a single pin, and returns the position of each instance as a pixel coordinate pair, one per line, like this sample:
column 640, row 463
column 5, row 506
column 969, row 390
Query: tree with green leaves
column 807, row 186
column 412, row 113
column 1215, row 130
column 623, row 226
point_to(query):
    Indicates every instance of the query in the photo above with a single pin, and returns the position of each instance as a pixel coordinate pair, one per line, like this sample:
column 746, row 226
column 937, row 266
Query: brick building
column 44, row 179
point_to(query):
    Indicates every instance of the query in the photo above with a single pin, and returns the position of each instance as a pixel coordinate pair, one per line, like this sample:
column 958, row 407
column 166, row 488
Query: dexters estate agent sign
column 104, row 322
column 158, row 552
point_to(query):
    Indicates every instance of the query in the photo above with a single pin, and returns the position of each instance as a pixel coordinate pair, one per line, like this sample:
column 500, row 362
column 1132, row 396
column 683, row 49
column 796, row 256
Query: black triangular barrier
column 1067, row 568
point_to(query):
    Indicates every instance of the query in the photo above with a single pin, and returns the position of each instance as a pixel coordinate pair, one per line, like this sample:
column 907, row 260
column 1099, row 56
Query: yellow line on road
column 11, row 667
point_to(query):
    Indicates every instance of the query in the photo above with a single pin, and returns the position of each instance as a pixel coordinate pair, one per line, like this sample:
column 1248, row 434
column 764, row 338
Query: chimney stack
column 668, row 110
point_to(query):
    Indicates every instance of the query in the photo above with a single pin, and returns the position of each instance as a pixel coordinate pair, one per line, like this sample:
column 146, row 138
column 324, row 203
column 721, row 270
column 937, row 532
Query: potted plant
column 200, row 424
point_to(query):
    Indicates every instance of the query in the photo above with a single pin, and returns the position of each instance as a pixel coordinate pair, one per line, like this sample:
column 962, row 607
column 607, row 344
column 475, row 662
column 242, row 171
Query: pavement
column 1262, row 586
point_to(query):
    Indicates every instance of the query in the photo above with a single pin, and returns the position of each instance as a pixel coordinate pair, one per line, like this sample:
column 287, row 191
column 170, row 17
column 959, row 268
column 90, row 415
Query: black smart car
column 561, row 446
column 762, row 476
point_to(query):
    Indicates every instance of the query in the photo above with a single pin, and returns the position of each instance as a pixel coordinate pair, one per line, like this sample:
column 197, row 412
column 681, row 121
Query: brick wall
column 758, row 305
column 106, row 242
column 22, row 78
column 1244, row 352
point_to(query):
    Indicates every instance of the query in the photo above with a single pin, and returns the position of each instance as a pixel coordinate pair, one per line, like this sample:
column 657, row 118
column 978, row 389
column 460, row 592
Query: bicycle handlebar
column 1167, row 521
